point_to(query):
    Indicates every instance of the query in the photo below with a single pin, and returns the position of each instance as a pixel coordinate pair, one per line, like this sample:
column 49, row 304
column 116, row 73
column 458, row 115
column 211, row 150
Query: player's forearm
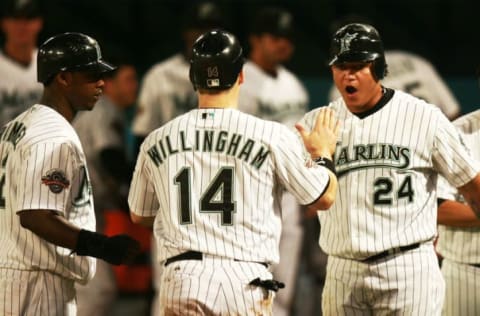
column 328, row 197
column 50, row 226
column 456, row 214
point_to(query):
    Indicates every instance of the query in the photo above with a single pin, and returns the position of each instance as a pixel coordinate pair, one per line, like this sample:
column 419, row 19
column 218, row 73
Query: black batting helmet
column 69, row 52
column 217, row 59
column 357, row 42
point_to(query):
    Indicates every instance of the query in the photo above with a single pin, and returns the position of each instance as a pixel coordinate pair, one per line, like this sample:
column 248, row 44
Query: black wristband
column 118, row 249
column 90, row 244
column 325, row 162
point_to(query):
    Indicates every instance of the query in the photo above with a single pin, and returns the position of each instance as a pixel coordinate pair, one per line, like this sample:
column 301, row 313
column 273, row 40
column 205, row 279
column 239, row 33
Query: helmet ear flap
column 379, row 67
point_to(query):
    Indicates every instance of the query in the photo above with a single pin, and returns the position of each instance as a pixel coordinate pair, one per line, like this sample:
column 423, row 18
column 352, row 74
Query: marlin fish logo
column 345, row 42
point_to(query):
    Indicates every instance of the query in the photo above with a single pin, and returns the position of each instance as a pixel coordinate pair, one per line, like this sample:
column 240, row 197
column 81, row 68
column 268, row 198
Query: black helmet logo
column 345, row 42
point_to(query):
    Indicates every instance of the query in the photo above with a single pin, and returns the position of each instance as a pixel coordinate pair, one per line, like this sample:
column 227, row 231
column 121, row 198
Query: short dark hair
column 273, row 20
column 203, row 15
column 21, row 9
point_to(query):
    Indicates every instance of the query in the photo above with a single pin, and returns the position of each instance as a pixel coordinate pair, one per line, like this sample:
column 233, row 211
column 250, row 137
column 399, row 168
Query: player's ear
column 63, row 78
column 240, row 77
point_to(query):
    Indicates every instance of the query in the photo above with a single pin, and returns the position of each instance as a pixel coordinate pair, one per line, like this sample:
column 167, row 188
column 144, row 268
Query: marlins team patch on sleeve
column 56, row 180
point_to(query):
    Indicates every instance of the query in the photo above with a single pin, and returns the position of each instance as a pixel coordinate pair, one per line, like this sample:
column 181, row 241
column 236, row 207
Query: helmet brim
column 98, row 67
column 352, row 57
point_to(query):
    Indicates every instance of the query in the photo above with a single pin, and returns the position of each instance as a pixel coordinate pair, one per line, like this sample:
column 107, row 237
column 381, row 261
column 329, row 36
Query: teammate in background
column 21, row 22
column 166, row 91
column 211, row 181
column 272, row 92
column 459, row 235
column 413, row 74
column 46, row 207
column 379, row 233
column 110, row 172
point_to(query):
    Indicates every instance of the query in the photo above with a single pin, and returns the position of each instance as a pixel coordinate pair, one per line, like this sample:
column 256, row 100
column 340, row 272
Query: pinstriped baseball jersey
column 43, row 168
column 214, row 177
column 387, row 164
column 461, row 244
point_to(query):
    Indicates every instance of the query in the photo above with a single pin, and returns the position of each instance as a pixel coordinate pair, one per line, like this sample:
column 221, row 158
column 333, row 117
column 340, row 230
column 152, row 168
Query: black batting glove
column 118, row 249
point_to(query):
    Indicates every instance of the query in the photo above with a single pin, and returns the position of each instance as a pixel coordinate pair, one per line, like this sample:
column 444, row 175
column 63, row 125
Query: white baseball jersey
column 415, row 75
column 282, row 98
column 387, row 165
column 166, row 92
column 18, row 87
column 461, row 244
column 214, row 177
column 43, row 168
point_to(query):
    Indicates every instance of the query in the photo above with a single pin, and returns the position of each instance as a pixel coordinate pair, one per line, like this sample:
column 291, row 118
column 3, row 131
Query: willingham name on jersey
column 220, row 141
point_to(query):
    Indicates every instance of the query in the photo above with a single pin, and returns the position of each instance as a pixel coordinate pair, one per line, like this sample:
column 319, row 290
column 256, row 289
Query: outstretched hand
column 322, row 139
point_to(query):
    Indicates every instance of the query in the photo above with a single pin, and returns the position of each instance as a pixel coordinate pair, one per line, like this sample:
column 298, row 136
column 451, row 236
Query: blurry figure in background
column 102, row 133
column 459, row 234
column 166, row 90
column 21, row 22
column 274, row 93
column 410, row 73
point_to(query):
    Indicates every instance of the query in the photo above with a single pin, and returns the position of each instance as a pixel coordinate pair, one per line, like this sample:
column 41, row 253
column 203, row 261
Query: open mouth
column 351, row 89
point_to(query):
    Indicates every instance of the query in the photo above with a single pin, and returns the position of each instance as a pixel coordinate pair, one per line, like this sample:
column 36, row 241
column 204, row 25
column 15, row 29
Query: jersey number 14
column 217, row 198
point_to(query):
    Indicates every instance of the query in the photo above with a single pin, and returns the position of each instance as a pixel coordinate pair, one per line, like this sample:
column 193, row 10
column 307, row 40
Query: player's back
column 216, row 173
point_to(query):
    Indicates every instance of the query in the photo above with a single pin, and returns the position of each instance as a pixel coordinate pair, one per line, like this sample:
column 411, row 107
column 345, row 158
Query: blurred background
column 148, row 31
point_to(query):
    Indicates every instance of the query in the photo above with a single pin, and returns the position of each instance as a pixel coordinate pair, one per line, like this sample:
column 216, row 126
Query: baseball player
column 46, row 206
column 274, row 93
column 413, row 74
column 21, row 22
column 379, row 233
column 211, row 180
column 459, row 235
column 166, row 91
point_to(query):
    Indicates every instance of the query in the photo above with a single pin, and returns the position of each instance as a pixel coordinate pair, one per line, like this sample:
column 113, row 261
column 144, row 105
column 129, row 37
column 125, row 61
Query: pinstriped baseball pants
column 463, row 289
column 409, row 283
column 34, row 293
column 214, row 286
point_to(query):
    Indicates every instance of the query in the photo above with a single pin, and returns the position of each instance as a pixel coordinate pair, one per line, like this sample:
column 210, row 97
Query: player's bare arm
column 146, row 221
column 471, row 192
column 320, row 142
column 55, row 229
column 456, row 214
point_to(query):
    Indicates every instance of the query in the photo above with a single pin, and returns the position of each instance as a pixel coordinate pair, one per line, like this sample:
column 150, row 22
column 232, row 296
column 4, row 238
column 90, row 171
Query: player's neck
column 21, row 54
column 57, row 102
column 223, row 100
